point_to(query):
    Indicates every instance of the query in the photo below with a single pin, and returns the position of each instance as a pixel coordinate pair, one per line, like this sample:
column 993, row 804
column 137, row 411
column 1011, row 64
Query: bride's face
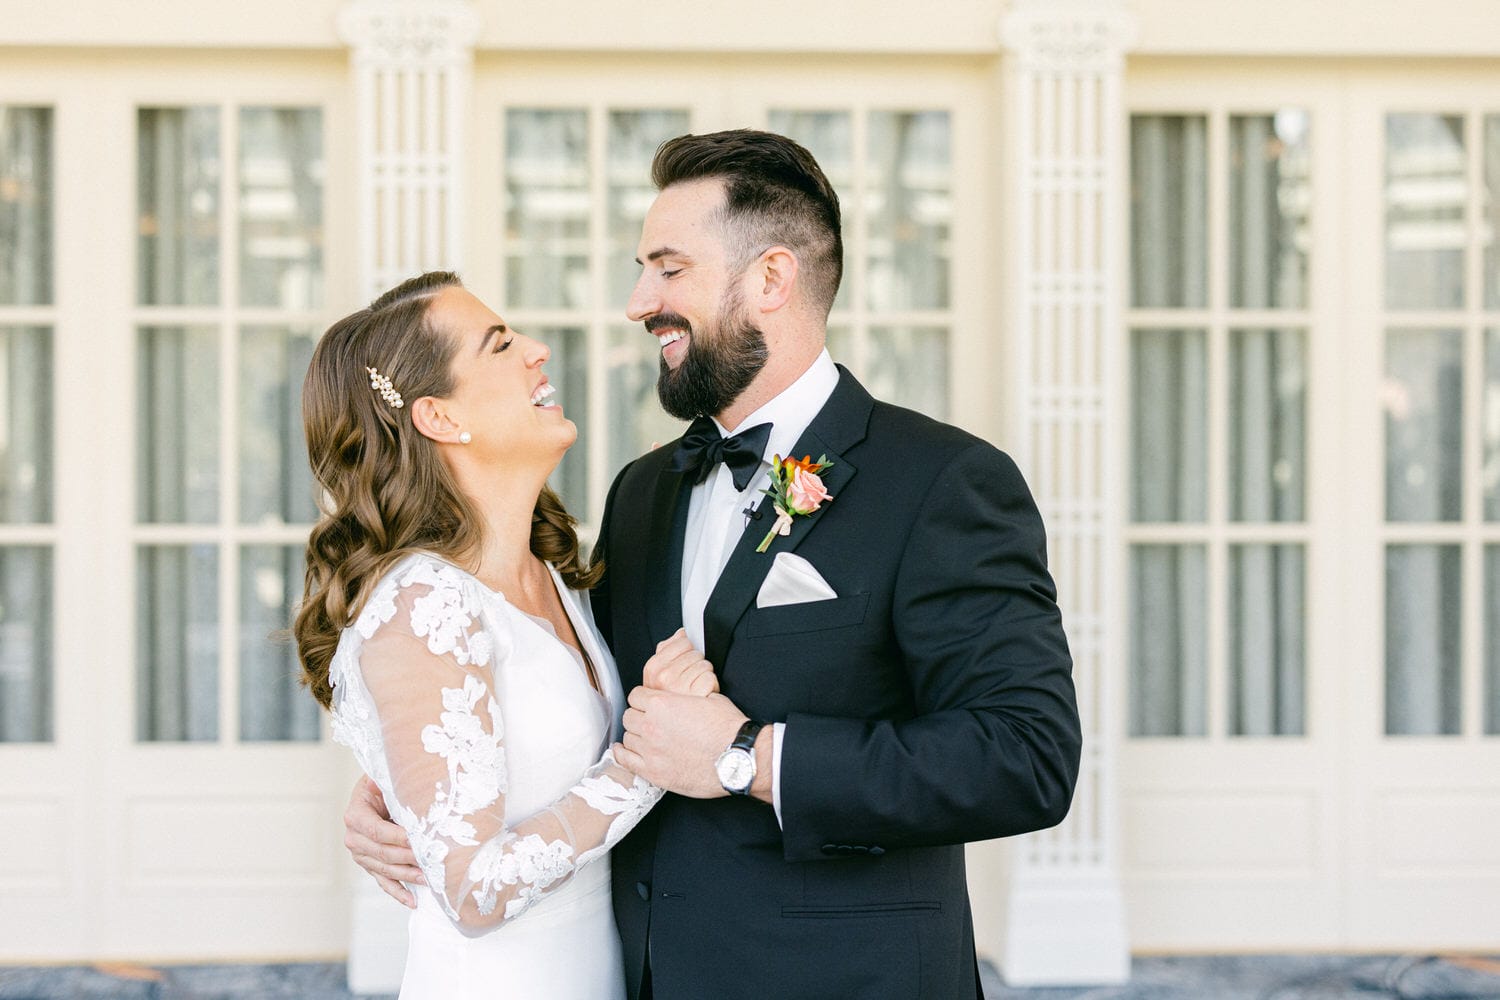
column 502, row 397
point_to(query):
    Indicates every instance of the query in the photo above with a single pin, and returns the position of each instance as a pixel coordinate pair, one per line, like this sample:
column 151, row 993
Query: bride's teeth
column 542, row 394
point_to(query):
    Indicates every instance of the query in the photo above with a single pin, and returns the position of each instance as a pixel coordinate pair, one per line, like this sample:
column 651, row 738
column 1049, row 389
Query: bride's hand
column 679, row 668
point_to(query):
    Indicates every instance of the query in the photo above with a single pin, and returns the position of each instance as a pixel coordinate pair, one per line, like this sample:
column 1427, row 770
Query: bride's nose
column 536, row 352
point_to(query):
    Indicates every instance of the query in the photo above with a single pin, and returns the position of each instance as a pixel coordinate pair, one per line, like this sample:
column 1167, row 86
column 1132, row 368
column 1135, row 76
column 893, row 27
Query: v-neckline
column 578, row 653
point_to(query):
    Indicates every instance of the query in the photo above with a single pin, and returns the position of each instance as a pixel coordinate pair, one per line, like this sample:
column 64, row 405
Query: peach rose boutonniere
column 796, row 491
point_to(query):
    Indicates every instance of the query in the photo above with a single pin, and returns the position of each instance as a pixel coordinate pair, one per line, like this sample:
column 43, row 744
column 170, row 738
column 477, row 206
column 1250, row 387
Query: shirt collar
column 793, row 409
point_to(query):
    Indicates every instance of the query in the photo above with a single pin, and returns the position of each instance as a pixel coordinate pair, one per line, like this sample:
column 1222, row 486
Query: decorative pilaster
column 412, row 63
column 1067, row 201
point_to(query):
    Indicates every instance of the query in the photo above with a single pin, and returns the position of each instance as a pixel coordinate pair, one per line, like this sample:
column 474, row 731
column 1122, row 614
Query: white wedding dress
column 483, row 732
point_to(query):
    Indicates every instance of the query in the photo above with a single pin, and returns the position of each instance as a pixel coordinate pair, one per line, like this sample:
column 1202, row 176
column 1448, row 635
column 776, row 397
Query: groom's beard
column 717, row 367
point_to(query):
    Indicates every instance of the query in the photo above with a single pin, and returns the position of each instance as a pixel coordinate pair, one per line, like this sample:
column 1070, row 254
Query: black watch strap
column 745, row 738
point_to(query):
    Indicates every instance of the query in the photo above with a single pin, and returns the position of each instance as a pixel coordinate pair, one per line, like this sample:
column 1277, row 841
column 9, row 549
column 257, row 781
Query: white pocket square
column 792, row 580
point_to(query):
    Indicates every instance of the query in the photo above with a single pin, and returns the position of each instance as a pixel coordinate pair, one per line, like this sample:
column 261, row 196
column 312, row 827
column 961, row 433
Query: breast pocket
column 814, row 616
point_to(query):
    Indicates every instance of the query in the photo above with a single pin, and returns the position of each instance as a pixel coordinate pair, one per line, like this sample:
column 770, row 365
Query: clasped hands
column 675, row 728
column 678, row 723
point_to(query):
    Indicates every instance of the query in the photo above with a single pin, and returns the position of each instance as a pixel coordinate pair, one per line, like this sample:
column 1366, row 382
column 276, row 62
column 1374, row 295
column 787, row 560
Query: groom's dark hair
column 774, row 194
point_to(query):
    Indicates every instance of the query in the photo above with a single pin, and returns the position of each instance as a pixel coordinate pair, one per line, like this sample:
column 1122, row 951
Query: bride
column 446, row 625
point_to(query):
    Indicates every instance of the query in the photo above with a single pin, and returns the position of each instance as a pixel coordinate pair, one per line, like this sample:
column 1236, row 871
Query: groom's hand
column 673, row 740
column 379, row 846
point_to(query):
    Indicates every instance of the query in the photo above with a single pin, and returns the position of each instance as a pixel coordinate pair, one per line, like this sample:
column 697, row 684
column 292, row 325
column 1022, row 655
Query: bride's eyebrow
column 497, row 328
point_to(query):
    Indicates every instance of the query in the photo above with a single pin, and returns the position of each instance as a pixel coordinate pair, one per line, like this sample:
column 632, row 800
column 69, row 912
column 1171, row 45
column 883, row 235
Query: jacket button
column 876, row 852
column 861, row 849
column 846, row 849
column 643, row 890
column 830, row 849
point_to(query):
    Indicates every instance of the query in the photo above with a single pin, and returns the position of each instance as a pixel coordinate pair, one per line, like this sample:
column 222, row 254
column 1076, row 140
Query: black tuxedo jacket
column 930, row 704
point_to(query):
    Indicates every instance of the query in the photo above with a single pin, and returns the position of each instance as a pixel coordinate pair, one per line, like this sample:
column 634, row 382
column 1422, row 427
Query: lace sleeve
column 427, row 663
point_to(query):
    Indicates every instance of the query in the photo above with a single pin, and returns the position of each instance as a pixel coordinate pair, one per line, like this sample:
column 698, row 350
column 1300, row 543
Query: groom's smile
column 674, row 333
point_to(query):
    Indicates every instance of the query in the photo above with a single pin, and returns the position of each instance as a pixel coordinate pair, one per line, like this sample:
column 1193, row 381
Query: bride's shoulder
column 436, row 600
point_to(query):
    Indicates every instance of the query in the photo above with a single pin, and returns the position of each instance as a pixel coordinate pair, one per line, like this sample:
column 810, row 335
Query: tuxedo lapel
column 667, row 517
column 838, row 426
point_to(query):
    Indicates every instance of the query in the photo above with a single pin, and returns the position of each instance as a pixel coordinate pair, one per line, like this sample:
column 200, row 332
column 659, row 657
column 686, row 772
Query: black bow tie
column 702, row 448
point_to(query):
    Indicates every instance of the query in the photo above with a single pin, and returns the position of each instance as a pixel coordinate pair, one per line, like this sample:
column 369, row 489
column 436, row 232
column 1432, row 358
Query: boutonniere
column 796, row 491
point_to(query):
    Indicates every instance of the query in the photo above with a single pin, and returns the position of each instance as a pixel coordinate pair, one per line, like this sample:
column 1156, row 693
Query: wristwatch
column 736, row 765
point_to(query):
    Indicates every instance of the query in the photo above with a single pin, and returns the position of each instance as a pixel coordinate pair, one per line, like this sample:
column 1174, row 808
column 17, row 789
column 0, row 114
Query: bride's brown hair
column 386, row 493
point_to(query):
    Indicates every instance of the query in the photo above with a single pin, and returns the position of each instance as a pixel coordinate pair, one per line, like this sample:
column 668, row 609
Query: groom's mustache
column 670, row 321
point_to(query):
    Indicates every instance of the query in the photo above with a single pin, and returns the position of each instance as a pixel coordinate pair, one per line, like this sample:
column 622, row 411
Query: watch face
column 736, row 770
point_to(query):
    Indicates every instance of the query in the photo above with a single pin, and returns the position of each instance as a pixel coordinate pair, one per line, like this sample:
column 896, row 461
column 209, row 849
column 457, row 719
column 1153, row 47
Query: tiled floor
column 1257, row 977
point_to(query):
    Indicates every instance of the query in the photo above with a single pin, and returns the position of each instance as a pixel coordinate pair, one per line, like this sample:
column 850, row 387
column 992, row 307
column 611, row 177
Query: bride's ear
column 430, row 416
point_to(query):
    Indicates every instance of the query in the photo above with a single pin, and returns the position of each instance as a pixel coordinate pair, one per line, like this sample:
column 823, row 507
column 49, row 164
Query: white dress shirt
column 716, row 518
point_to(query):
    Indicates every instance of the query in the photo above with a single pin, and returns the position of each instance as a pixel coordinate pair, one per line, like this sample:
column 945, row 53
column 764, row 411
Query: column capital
column 409, row 31
column 1068, row 36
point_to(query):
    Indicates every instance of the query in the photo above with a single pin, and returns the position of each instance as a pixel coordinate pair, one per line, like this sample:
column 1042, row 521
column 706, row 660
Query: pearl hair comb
column 388, row 392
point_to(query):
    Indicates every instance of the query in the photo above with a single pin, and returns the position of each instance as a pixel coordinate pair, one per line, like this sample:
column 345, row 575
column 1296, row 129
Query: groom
column 895, row 680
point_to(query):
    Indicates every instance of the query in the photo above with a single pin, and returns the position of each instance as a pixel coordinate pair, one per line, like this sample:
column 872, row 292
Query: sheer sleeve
column 428, row 663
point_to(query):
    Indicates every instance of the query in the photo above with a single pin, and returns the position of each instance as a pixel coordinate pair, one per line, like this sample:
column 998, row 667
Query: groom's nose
column 643, row 300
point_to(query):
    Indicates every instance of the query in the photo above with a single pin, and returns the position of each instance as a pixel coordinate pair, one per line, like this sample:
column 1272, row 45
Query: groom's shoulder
column 917, row 440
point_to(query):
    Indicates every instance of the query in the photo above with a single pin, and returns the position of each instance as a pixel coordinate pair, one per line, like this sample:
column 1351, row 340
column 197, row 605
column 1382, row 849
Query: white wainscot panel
column 1450, row 831
column 1204, row 832
column 229, row 842
column 36, row 841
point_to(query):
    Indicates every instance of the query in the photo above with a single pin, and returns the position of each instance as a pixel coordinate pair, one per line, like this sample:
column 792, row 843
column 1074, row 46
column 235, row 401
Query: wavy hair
column 386, row 491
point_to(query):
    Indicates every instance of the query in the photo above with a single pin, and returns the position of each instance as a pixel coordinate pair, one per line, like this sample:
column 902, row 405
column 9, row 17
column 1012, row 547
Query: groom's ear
column 430, row 416
column 775, row 278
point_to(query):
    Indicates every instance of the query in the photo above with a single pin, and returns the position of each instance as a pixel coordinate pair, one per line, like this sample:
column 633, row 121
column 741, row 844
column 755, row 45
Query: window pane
column 1425, row 196
column 829, row 136
column 1169, row 425
column 1422, row 601
column 568, row 371
column 25, row 206
column 1490, row 227
column 273, row 703
column 1490, row 425
column 25, row 425
column 547, row 209
column 177, row 643
column 1270, row 191
column 177, row 425
column 636, row 419
column 275, row 480
column 1169, row 210
column 281, row 207
column 178, row 188
column 1267, row 424
column 25, row 644
column 909, row 210
column 633, row 138
column 1492, row 640
column 1423, row 397
column 1267, row 670
column 908, row 365
column 1168, row 640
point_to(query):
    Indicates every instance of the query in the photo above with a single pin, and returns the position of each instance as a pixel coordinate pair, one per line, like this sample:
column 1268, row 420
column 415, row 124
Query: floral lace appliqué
column 529, row 862
column 446, row 614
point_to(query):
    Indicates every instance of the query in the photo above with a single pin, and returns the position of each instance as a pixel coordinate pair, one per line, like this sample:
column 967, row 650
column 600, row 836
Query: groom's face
column 691, row 302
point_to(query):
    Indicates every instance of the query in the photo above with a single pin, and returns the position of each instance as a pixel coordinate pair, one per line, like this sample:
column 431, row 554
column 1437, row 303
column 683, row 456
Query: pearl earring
column 464, row 438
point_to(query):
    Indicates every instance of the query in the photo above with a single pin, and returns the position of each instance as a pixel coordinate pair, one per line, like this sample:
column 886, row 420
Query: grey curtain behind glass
column 26, row 212
column 1169, row 231
column 25, row 644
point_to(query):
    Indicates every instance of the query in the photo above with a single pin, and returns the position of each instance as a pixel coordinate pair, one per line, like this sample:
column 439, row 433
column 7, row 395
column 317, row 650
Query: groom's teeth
column 670, row 337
